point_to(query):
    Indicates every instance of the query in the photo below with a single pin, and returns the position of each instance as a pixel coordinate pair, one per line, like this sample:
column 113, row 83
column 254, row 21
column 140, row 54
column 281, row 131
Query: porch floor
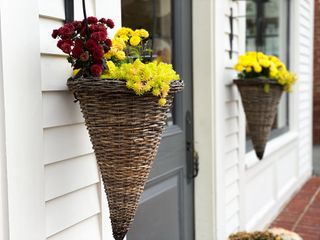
column 302, row 213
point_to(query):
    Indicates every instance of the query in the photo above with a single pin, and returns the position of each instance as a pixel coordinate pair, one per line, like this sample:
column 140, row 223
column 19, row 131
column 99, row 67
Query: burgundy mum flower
column 98, row 53
column 92, row 20
column 99, row 36
column 77, row 51
column 66, row 47
column 66, row 31
column 110, row 23
column 77, row 24
column 103, row 20
column 108, row 42
column 91, row 44
column 78, row 43
column 96, row 70
column 55, row 33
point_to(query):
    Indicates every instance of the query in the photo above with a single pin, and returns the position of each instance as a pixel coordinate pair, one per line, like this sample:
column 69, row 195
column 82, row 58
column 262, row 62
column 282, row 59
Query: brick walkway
column 302, row 214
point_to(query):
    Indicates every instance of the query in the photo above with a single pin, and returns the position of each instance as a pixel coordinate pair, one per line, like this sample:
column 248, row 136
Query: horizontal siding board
column 59, row 109
column 232, row 110
column 232, row 192
column 47, row 43
column 70, row 209
column 55, row 71
column 231, row 159
column 88, row 229
column 232, row 142
column 232, row 126
column 66, row 142
column 232, row 175
column 232, row 209
column 70, row 175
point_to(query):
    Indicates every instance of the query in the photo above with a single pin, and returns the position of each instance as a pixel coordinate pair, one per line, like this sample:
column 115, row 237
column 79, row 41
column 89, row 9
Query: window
column 267, row 30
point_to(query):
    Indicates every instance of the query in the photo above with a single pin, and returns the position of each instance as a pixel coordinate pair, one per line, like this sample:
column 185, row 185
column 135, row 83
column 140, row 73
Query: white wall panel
column 70, row 209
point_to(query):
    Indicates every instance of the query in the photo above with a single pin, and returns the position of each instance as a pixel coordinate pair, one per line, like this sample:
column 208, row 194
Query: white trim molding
column 22, row 119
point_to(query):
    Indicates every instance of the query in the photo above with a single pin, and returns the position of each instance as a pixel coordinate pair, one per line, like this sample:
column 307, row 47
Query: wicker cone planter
column 260, row 109
column 125, row 130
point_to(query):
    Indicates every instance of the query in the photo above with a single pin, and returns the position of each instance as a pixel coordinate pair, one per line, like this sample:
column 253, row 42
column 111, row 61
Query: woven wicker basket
column 260, row 109
column 125, row 130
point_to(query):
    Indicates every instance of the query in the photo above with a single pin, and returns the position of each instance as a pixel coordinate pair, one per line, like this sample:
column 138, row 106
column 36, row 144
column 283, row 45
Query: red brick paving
column 302, row 213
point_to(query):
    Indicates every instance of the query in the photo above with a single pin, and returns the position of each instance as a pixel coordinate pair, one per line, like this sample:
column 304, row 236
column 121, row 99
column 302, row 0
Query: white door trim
column 20, row 48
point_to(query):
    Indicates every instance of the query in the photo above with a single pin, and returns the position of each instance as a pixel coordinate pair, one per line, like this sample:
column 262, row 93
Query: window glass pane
column 267, row 31
column 154, row 16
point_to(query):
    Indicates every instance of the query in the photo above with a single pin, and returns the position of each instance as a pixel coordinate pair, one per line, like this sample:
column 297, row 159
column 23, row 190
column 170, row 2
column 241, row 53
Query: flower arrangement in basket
column 261, row 81
column 124, row 96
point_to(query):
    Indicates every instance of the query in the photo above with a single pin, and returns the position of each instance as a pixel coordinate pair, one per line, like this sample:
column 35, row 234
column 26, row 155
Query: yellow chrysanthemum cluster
column 142, row 77
column 123, row 38
column 259, row 65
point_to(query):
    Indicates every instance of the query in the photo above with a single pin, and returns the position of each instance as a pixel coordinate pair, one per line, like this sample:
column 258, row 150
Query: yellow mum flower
column 162, row 101
column 143, row 33
column 135, row 40
column 257, row 68
column 118, row 43
column 120, row 55
column 111, row 66
column 248, row 69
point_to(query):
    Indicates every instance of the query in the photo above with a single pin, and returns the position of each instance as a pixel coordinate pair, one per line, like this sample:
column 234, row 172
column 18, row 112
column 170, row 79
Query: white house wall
column 75, row 206
column 247, row 193
column 256, row 191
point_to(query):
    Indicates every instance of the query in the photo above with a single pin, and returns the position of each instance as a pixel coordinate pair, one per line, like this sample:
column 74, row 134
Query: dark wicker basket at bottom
column 260, row 109
column 125, row 130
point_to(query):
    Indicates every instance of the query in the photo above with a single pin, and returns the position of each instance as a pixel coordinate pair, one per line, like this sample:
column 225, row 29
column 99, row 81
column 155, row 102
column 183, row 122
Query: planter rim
column 256, row 81
column 175, row 86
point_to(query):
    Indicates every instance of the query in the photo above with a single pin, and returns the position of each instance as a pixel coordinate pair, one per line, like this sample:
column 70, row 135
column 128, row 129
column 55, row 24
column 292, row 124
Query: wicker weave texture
column 260, row 109
column 125, row 130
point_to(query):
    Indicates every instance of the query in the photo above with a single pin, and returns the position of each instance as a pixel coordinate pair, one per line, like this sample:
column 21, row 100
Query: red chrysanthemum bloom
column 78, row 43
column 77, row 51
column 103, row 20
column 77, row 24
column 96, row 70
column 66, row 47
column 66, row 31
column 98, row 53
column 92, row 20
column 55, row 33
column 108, row 42
column 99, row 36
column 91, row 44
column 110, row 23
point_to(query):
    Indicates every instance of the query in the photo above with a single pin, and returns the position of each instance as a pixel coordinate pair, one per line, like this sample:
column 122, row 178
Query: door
column 166, row 208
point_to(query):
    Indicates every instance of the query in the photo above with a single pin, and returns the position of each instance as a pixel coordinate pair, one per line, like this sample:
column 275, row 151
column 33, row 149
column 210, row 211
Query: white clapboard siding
column 61, row 143
column 59, row 109
column 305, row 40
column 85, row 230
column 63, row 177
column 72, row 188
column 54, row 72
column 70, row 209
column 231, row 122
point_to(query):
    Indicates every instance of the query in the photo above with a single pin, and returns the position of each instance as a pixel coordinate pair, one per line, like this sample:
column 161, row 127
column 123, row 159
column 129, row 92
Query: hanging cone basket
column 260, row 108
column 125, row 130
